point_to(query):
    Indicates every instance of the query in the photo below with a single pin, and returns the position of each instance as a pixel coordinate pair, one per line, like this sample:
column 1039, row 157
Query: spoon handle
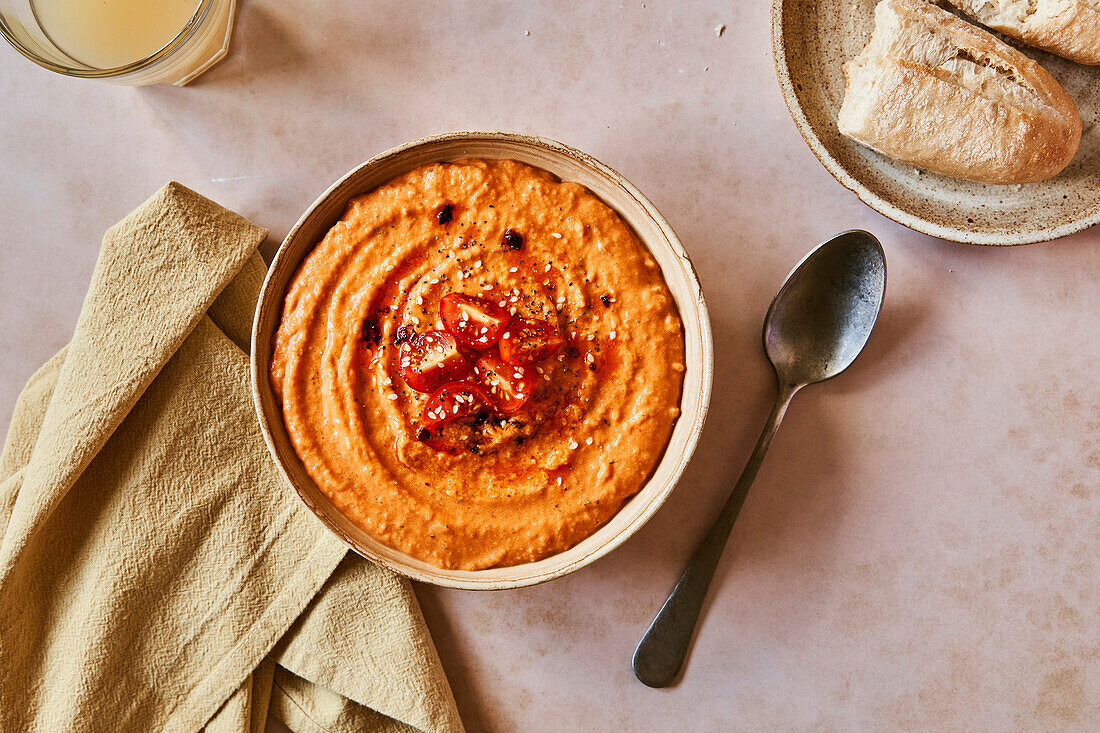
column 660, row 653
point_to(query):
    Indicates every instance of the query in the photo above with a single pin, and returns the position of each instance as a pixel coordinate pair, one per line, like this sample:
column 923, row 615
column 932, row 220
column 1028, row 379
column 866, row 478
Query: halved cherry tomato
column 529, row 340
column 427, row 360
column 454, row 401
column 510, row 386
column 475, row 322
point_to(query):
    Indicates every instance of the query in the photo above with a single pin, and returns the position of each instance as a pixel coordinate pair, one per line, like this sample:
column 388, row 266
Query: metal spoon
column 815, row 327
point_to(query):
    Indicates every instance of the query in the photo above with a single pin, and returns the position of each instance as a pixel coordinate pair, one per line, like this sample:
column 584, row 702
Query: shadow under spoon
column 816, row 325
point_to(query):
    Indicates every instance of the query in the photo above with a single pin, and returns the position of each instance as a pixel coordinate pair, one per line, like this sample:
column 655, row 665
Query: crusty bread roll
column 934, row 91
column 1069, row 28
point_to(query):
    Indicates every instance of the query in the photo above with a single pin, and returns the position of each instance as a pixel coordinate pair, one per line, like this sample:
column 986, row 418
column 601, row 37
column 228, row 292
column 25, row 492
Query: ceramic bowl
column 811, row 41
column 570, row 165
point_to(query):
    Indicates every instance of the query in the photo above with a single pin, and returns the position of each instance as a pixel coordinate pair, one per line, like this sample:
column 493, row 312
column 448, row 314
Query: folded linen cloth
column 155, row 572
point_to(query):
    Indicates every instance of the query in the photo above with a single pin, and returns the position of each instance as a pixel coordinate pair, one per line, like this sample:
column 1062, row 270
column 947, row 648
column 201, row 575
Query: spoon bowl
column 822, row 316
column 816, row 326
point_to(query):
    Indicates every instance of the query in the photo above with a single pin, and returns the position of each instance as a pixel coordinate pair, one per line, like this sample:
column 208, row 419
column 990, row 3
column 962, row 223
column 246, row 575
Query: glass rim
column 163, row 52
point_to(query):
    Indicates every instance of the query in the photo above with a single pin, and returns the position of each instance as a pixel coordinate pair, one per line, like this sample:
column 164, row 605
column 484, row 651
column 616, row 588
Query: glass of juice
column 122, row 41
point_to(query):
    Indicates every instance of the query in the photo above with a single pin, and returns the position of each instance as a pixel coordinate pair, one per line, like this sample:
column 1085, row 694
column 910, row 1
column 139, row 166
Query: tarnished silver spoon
column 817, row 324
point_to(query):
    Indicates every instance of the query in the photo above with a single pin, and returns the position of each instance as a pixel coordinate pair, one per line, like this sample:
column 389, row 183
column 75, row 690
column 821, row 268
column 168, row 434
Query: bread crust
column 1068, row 28
column 935, row 92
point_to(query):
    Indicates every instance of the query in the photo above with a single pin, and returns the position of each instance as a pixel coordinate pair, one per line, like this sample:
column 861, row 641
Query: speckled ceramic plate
column 811, row 41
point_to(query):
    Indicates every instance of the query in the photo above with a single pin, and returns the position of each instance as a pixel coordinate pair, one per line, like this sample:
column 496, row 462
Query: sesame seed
column 507, row 334
column 392, row 397
column 547, row 268
column 559, row 480
column 513, row 269
column 435, row 281
column 555, row 235
column 477, row 264
column 588, row 442
column 611, row 335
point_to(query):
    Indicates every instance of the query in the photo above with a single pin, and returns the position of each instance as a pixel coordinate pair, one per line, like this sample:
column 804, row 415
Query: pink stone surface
column 921, row 549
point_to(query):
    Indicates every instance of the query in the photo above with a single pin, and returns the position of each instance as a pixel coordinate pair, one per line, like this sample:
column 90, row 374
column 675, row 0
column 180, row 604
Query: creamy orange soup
column 536, row 455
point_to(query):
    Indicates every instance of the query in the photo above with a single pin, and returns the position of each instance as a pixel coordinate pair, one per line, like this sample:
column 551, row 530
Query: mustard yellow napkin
column 155, row 572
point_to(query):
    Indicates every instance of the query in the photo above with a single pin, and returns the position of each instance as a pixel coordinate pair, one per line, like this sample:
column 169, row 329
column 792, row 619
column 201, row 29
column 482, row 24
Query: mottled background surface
column 922, row 546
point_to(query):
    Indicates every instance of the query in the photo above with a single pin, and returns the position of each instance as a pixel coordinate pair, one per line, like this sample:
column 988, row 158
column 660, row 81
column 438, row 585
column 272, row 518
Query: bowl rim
column 474, row 580
column 876, row 202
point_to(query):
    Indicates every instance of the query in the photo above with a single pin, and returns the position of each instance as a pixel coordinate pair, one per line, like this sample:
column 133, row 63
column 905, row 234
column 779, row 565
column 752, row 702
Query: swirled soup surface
column 506, row 488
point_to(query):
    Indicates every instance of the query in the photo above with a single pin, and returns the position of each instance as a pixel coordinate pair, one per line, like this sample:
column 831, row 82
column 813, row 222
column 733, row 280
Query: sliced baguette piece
column 1069, row 28
column 933, row 91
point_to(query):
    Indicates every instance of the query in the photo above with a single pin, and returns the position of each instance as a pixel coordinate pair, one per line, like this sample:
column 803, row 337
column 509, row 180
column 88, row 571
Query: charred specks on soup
column 513, row 239
column 372, row 332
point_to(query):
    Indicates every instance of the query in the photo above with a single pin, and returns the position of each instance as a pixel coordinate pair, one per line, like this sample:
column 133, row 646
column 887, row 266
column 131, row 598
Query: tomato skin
column 474, row 322
column 429, row 359
column 528, row 341
column 509, row 386
column 454, row 401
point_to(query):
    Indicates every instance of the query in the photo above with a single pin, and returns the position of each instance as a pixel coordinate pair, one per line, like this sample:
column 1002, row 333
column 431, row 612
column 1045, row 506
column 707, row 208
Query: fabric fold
column 151, row 557
column 157, row 272
column 396, row 670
